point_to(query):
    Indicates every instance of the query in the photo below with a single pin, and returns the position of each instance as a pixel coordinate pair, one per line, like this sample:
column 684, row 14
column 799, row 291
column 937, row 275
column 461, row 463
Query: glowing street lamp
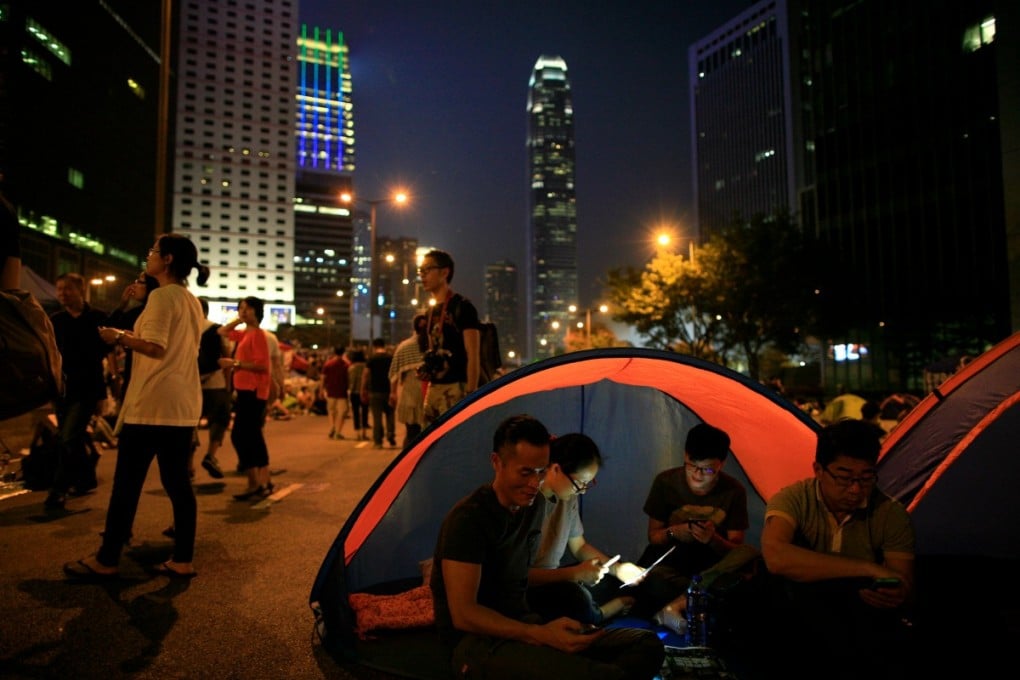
column 602, row 309
column 400, row 197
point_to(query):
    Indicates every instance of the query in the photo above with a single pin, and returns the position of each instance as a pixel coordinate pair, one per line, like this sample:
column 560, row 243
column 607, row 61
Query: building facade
column 552, row 230
column 502, row 308
column 234, row 151
column 79, row 90
column 399, row 290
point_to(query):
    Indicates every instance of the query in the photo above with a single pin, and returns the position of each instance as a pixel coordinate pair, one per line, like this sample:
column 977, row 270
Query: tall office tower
column 234, row 156
column 323, row 224
column 905, row 167
column 552, row 243
column 398, row 287
column 744, row 160
column 501, row 305
column 79, row 92
column 361, row 303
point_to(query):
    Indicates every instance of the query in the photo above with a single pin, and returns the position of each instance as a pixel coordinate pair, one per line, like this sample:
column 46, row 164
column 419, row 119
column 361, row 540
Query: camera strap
column 436, row 343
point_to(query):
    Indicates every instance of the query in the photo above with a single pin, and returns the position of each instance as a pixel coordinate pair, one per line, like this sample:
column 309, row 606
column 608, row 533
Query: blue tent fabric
column 952, row 461
column 636, row 404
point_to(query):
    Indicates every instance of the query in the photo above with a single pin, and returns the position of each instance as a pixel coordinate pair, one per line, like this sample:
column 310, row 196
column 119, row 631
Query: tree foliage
column 749, row 287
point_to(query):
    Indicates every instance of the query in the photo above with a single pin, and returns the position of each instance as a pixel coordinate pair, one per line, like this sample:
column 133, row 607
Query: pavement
column 246, row 614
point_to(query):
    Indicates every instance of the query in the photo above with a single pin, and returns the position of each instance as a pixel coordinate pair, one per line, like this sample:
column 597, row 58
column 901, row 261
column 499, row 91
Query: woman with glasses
column 132, row 302
column 579, row 591
column 161, row 408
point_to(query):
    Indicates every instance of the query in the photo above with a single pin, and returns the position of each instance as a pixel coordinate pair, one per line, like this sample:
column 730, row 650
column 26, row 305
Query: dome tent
column 637, row 404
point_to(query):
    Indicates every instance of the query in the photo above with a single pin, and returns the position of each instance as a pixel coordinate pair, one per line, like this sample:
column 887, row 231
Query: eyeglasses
column 155, row 251
column 845, row 481
column 422, row 271
column 707, row 471
column 582, row 487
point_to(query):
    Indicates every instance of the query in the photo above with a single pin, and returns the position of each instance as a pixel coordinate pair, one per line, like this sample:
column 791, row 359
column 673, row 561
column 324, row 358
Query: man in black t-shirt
column 375, row 389
column 454, row 338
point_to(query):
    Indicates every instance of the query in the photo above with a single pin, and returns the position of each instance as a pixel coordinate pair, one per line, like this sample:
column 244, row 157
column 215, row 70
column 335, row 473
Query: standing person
column 830, row 539
column 76, row 328
column 251, row 374
column 132, row 302
column 405, row 387
column 277, row 371
column 375, row 389
column 216, row 399
column 701, row 512
column 454, row 338
column 578, row 590
column 336, row 388
column 160, row 410
column 359, row 408
column 485, row 547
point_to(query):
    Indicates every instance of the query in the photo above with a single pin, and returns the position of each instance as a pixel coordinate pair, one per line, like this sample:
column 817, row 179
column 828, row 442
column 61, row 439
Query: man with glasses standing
column 700, row 512
column 844, row 552
column 452, row 359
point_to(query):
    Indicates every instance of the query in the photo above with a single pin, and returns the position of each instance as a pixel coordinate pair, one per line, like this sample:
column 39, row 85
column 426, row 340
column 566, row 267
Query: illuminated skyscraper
column 552, row 244
column 234, row 157
column 323, row 224
column 501, row 305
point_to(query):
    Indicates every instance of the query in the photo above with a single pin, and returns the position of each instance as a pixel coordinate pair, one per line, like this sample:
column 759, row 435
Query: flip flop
column 165, row 570
column 81, row 571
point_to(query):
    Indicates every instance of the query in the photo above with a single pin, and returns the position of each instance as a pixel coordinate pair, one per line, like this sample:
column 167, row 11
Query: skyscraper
column 744, row 161
column 234, row 156
column 552, row 242
column 501, row 306
column 323, row 224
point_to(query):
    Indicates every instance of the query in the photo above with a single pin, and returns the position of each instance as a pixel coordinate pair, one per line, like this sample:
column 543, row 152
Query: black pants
column 246, row 435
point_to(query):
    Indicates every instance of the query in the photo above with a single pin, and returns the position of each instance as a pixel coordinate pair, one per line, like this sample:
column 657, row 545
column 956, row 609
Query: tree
column 749, row 287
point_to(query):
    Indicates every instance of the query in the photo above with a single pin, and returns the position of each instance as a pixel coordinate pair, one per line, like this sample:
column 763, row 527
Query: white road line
column 277, row 496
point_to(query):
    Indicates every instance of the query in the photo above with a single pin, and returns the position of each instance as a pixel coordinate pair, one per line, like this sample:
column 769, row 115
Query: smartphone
column 589, row 629
column 887, row 582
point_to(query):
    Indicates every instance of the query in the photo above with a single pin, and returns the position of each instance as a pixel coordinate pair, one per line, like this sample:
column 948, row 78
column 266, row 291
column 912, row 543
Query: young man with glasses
column 701, row 512
column 482, row 558
column 844, row 552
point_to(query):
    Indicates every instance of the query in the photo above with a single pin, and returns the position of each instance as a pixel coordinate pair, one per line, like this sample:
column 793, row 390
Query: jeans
column 73, row 419
column 380, row 405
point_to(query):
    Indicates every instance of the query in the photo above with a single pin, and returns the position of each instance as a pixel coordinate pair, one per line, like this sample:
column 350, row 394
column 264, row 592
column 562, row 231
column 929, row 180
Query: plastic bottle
column 697, row 613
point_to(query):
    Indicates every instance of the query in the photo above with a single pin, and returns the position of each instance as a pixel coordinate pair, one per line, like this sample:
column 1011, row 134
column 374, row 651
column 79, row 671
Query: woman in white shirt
column 162, row 405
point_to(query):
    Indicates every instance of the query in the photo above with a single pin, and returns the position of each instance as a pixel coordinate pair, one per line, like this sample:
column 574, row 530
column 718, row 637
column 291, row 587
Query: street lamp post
column 587, row 320
column 373, row 280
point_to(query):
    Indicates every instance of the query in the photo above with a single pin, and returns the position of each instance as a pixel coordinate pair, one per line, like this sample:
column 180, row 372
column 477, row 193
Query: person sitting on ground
column 844, row 553
column 701, row 513
column 581, row 590
column 483, row 554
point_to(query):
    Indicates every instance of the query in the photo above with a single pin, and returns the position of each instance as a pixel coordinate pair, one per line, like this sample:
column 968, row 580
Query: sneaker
column 338, row 436
column 212, row 467
column 55, row 501
column 392, row 441
column 331, row 434
column 672, row 619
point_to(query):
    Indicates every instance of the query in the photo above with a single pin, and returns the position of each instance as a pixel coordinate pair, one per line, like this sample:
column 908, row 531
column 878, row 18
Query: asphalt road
column 246, row 615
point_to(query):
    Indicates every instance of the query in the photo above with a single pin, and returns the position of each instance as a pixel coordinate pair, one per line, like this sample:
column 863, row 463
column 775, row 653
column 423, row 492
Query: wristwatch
column 237, row 364
column 120, row 336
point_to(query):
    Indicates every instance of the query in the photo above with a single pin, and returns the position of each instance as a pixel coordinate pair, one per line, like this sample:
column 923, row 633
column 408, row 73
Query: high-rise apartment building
column 552, row 233
column 502, row 308
column 744, row 160
column 234, row 154
column 323, row 224
column 902, row 154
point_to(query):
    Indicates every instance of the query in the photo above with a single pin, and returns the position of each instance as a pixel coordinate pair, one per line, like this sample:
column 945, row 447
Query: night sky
column 440, row 93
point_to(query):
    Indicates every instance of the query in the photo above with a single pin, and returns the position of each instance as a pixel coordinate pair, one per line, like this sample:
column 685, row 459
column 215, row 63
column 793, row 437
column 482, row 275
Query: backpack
column 30, row 365
column 489, row 359
column 210, row 350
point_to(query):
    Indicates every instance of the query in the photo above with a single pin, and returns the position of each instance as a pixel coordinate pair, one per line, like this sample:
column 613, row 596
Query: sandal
column 80, row 570
column 166, row 570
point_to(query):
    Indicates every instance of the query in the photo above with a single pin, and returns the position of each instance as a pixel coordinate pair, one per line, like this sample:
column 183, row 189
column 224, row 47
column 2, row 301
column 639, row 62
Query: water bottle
column 697, row 613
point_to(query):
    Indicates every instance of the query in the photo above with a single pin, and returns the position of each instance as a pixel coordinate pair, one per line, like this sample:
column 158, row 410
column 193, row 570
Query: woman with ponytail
column 161, row 408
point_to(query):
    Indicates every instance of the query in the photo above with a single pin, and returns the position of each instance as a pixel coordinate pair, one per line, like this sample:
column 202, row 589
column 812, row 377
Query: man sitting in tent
column 845, row 552
column 485, row 547
column 701, row 513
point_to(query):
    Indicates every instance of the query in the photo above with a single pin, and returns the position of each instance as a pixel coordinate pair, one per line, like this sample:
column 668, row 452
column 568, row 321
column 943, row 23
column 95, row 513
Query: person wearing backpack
column 452, row 361
column 216, row 402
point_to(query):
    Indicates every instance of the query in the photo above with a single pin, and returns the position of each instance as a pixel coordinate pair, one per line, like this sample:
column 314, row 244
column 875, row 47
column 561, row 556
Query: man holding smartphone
column 844, row 552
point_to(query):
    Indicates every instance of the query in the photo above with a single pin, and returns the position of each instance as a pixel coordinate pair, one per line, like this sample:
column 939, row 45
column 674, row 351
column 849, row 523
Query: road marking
column 277, row 496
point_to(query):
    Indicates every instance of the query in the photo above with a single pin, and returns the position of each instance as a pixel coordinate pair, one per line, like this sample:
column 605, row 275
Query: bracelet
column 120, row 336
column 237, row 364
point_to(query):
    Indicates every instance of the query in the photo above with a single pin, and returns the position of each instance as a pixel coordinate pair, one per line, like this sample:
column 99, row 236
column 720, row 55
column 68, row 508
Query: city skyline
column 439, row 95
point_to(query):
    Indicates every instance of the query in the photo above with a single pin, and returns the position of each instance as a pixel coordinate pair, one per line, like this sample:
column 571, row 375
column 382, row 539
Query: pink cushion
column 409, row 609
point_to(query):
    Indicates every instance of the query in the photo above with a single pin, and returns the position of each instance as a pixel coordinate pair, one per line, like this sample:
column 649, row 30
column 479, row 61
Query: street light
column 587, row 320
column 399, row 197
column 665, row 238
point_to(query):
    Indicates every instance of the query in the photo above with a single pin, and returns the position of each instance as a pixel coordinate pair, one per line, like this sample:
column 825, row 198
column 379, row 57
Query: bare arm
column 130, row 341
column 472, row 345
column 783, row 558
column 462, row 580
